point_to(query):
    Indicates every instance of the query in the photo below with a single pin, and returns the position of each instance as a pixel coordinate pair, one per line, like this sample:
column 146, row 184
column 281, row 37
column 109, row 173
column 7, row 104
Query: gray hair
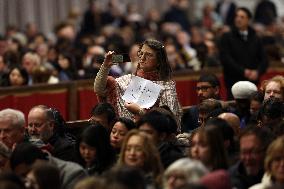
column 192, row 170
column 16, row 117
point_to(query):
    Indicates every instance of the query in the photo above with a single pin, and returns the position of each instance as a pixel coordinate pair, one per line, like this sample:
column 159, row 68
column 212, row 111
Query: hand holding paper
column 142, row 91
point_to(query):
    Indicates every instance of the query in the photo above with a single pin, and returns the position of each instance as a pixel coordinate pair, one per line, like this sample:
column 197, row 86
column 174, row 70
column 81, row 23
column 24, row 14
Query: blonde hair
column 277, row 79
column 152, row 162
column 275, row 150
column 90, row 183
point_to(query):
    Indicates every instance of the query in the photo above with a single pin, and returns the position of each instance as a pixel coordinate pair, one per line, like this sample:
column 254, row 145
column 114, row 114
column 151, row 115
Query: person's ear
column 51, row 125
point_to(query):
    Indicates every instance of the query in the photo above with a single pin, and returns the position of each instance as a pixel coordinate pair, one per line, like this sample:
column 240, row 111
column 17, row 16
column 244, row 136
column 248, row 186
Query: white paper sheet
column 142, row 91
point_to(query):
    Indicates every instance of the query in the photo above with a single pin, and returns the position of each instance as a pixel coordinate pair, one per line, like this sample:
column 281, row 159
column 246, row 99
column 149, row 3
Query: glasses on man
column 253, row 152
column 36, row 125
column 203, row 88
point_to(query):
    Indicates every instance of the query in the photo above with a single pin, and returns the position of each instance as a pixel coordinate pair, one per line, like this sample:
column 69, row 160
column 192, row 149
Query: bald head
column 233, row 121
column 40, row 123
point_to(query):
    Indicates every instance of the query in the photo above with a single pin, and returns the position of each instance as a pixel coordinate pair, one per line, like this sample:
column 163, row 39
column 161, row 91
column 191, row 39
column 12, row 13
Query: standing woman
column 153, row 65
column 138, row 151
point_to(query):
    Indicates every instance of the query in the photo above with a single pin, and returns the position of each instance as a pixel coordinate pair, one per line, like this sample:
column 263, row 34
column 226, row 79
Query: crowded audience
column 128, row 144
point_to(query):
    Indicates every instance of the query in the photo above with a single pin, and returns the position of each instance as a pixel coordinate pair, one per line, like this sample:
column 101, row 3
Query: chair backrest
column 77, row 127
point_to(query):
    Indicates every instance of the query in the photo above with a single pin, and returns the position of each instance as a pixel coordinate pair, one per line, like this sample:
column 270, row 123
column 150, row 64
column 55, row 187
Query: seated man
column 207, row 109
column 242, row 92
column 12, row 127
column 208, row 86
column 250, row 168
column 270, row 114
column 160, row 127
column 233, row 120
column 104, row 114
column 274, row 88
column 47, row 125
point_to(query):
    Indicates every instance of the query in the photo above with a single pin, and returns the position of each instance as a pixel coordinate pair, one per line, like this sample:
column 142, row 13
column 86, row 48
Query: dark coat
column 229, row 20
column 189, row 120
column 240, row 179
column 169, row 153
column 237, row 54
column 70, row 173
column 177, row 15
column 62, row 147
column 265, row 12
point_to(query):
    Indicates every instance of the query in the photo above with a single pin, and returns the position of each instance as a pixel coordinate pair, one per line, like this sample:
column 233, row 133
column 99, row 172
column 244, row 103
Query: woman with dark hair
column 153, row 65
column 94, row 150
column 208, row 147
column 66, row 67
column 17, row 76
column 119, row 131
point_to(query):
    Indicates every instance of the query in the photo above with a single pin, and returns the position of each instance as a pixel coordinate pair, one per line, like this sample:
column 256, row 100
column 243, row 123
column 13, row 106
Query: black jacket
column 240, row 179
column 63, row 147
column 237, row 54
column 265, row 12
column 169, row 153
column 189, row 120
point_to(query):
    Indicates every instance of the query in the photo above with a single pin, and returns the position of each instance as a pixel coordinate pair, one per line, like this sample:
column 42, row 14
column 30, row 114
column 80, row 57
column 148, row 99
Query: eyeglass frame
column 204, row 88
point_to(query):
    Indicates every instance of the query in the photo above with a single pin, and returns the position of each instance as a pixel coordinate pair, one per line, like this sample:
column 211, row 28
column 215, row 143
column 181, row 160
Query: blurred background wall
column 47, row 13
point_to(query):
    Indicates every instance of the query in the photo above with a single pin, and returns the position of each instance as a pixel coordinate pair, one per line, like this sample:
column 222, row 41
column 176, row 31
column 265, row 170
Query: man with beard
column 208, row 86
column 47, row 125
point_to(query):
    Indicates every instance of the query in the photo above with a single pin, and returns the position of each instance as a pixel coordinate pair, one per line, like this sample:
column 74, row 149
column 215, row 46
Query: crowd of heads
column 150, row 150
column 76, row 52
column 224, row 144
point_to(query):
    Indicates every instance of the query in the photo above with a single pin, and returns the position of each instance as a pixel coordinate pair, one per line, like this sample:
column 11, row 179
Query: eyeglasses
column 203, row 88
column 253, row 152
column 147, row 55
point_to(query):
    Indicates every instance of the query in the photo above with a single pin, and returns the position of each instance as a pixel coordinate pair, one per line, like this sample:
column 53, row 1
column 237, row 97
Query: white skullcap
column 243, row 89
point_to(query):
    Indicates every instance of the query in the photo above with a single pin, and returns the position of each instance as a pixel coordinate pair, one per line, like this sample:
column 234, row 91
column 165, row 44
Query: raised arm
column 101, row 78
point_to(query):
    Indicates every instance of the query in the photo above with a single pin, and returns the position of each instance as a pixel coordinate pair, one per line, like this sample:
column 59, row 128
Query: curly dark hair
column 164, row 68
